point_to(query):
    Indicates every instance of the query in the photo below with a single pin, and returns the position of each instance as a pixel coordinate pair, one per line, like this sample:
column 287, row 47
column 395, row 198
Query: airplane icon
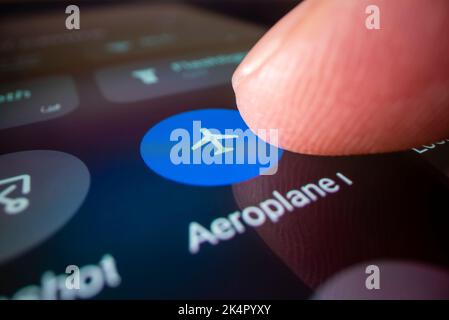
column 214, row 139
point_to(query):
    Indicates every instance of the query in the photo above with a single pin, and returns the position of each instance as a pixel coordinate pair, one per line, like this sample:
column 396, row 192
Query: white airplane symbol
column 214, row 139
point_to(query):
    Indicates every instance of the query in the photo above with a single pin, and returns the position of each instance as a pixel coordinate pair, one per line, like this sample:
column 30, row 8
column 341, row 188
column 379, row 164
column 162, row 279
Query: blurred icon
column 15, row 95
column 118, row 46
column 29, row 216
column 157, row 40
column 43, row 99
column 130, row 82
column 51, row 108
column 147, row 76
column 209, row 137
column 14, row 205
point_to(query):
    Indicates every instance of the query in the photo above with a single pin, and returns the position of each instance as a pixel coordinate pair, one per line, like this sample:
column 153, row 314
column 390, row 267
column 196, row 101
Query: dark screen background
column 396, row 208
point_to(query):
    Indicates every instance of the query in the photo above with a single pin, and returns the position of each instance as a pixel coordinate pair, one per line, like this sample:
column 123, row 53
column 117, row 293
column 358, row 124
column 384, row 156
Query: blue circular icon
column 209, row 147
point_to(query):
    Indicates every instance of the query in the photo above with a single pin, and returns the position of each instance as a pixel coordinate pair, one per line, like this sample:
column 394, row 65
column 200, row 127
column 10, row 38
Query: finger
column 319, row 236
column 332, row 86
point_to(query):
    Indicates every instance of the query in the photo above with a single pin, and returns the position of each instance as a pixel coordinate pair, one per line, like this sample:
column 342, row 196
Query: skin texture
column 333, row 87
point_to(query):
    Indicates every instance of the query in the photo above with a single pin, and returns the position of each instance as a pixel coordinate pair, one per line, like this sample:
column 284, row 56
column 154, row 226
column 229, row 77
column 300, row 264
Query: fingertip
column 330, row 86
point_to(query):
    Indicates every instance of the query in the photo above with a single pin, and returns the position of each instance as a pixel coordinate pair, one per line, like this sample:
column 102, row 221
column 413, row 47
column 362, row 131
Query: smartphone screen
column 124, row 161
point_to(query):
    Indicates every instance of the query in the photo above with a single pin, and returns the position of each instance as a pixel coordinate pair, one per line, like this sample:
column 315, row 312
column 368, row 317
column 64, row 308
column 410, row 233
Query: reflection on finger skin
column 396, row 280
column 394, row 208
